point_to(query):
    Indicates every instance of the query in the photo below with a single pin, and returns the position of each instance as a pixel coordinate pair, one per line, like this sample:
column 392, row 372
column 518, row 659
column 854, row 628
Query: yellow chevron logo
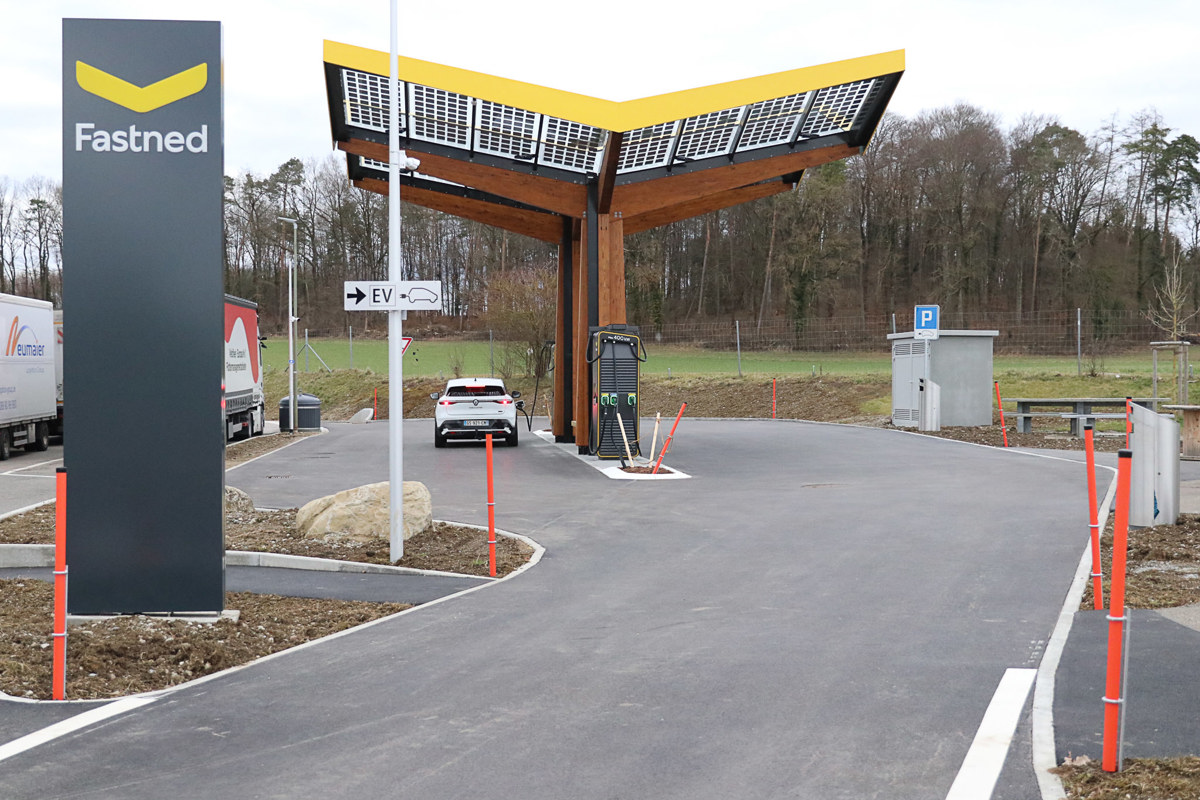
column 141, row 98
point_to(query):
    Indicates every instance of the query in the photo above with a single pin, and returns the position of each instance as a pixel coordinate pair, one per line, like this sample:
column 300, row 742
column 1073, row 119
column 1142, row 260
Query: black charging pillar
column 616, row 354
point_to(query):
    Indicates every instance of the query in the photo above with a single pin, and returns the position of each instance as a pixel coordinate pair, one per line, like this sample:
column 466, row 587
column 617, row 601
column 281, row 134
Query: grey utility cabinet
column 959, row 362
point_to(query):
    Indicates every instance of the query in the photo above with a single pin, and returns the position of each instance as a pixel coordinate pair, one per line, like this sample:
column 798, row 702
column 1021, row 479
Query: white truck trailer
column 28, row 378
column 245, row 404
column 56, row 427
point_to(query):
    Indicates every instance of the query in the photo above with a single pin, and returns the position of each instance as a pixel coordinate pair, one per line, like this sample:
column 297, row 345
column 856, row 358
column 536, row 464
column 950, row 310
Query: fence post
column 1079, row 342
column 351, row 347
column 737, row 333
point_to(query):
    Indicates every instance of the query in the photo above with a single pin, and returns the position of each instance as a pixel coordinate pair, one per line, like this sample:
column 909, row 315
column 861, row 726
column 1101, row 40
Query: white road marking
column 980, row 769
column 72, row 724
column 24, row 467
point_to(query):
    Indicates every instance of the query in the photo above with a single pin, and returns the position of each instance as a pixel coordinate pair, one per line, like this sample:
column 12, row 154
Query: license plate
column 475, row 423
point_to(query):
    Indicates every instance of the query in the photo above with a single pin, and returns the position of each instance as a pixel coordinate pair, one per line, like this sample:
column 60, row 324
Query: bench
column 1074, row 409
column 1190, row 429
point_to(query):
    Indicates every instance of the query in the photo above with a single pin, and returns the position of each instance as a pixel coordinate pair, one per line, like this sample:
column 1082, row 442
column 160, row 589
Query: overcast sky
column 1081, row 61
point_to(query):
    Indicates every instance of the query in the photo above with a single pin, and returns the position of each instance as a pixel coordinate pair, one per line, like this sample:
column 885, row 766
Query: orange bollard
column 670, row 436
column 773, row 382
column 376, row 414
column 1093, row 517
column 1000, row 405
column 491, row 501
column 59, row 671
column 1116, row 619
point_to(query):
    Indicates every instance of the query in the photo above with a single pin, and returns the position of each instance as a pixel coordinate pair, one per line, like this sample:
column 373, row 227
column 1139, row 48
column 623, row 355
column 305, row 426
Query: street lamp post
column 396, row 157
column 293, row 412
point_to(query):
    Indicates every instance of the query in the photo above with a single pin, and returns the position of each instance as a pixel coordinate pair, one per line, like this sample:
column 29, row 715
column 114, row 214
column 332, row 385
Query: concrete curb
column 246, row 558
column 26, row 556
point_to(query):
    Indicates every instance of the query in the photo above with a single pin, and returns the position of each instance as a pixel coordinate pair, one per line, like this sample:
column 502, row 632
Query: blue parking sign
column 925, row 322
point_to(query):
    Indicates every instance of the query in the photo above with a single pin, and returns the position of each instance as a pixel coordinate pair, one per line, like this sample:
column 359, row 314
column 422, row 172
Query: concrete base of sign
column 195, row 618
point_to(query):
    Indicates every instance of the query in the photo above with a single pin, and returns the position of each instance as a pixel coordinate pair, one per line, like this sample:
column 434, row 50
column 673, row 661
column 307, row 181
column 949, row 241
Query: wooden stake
column 654, row 439
column 624, row 438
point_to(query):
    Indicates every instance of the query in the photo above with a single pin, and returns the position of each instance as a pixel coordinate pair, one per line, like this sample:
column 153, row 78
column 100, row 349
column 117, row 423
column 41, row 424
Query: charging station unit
column 615, row 354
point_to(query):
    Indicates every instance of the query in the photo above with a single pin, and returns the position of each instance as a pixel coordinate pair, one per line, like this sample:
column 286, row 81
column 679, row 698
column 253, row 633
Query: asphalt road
column 819, row 612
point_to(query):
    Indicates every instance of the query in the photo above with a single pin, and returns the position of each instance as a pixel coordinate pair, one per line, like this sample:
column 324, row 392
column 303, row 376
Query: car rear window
column 474, row 391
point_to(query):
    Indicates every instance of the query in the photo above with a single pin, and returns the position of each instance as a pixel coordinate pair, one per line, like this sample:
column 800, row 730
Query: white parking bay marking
column 26, row 467
column 71, row 724
column 976, row 779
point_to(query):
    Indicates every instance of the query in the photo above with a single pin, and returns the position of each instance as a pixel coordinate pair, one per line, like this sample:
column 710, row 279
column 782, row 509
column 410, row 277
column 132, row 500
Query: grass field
column 446, row 358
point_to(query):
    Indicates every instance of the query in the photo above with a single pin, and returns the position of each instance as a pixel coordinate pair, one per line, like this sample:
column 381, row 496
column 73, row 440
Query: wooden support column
column 583, row 398
column 612, row 269
column 564, row 337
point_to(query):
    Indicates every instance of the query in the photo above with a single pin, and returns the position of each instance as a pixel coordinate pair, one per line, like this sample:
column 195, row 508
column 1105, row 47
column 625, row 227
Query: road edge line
column 981, row 767
column 72, row 724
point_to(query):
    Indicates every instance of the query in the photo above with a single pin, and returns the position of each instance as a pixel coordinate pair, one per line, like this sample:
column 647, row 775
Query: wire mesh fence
column 1043, row 332
column 1070, row 332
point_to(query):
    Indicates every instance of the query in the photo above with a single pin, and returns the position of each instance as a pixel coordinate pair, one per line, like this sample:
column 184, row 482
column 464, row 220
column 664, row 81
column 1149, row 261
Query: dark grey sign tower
column 143, row 297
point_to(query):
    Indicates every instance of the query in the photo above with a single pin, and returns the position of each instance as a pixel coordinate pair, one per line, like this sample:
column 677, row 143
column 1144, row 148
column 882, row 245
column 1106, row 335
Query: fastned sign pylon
column 143, row 185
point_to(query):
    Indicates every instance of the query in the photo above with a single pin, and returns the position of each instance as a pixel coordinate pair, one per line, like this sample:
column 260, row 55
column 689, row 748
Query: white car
column 471, row 408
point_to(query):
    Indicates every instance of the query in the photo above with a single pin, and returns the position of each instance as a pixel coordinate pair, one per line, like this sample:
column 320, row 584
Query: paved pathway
column 820, row 611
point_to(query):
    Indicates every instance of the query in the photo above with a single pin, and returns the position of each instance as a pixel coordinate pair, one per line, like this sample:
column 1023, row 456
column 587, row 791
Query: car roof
column 474, row 382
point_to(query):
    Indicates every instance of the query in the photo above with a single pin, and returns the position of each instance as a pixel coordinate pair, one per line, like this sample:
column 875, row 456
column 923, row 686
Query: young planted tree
column 521, row 307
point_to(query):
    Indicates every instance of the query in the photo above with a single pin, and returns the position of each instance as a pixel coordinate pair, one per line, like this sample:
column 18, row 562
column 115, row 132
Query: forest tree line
column 946, row 207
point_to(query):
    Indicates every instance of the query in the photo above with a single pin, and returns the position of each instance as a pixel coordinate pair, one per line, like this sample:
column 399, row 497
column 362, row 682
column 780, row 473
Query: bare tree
column 1172, row 299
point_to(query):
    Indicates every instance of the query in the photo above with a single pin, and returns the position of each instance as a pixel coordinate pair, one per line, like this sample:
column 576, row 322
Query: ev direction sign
column 142, row 250
column 925, row 322
column 399, row 296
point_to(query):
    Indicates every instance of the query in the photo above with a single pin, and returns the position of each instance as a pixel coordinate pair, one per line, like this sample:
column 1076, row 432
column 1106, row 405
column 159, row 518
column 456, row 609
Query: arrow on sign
column 357, row 296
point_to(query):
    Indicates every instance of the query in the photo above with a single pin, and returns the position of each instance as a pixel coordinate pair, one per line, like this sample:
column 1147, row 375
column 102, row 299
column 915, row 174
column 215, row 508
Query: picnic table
column 1191, row 429
column 1078, row 410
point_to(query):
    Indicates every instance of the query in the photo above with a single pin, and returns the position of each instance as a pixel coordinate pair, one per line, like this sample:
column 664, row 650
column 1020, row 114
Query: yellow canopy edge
column 607, row 114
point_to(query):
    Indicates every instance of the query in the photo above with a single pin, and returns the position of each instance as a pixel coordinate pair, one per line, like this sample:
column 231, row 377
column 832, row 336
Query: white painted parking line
column 72, row 724
column 25, row 467
column 981, row 768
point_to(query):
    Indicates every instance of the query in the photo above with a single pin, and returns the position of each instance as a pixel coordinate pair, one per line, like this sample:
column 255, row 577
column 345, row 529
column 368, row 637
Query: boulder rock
column 361, row 514
column 237, row 501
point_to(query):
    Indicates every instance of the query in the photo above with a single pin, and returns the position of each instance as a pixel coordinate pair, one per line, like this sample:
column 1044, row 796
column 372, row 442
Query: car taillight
column 504, row 401
column 445, row 402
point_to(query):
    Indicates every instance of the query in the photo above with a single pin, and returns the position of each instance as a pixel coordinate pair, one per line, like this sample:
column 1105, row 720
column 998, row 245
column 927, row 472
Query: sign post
column 397, row 298
column 395, row 316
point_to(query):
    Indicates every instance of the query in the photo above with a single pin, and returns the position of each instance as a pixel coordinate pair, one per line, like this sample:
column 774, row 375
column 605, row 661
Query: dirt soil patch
column 1162, row 565
column 127, row 655
column 1140, row 779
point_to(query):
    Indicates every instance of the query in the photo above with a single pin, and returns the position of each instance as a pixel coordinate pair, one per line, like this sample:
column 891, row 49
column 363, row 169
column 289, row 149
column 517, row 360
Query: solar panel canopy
column 492, row 122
